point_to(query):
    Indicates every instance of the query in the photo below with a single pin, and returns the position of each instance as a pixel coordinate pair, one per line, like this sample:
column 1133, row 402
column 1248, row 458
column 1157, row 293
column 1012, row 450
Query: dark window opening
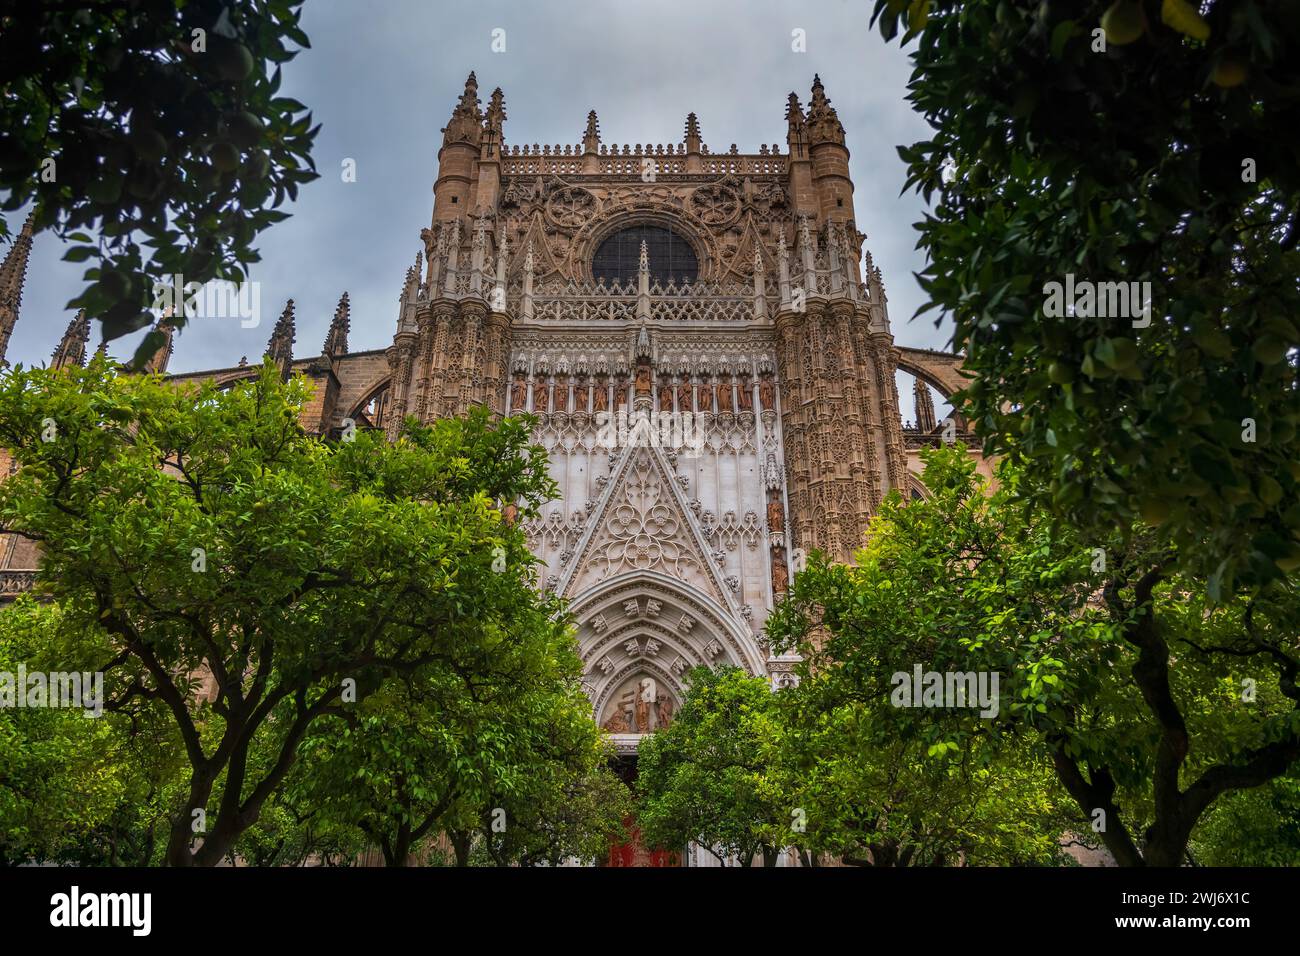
column 619, row 256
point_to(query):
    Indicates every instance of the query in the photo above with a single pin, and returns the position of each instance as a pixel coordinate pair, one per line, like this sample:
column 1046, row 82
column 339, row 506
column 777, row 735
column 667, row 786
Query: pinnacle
column 336, row 340
column 72, row 347
column 285, row 323
column 13, row 271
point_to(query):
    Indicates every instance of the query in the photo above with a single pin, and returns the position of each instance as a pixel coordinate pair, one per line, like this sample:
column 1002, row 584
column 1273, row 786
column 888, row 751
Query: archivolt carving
column 714, row 635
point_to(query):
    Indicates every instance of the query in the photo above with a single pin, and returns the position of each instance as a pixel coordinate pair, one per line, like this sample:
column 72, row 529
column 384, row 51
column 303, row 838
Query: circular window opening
column 619, row 256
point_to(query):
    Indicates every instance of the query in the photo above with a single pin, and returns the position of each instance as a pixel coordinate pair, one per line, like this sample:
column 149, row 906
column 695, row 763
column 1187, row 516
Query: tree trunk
column 460, row 842
column 398, row 852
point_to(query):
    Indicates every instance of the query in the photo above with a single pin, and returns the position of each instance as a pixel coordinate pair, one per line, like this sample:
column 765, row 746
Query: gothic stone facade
column 582, row 281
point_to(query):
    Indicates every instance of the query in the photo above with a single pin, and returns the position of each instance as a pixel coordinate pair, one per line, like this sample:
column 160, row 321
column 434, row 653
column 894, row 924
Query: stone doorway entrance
column 633, row 851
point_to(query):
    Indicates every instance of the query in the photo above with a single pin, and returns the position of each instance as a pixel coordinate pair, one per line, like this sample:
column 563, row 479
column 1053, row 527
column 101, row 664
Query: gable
column 643, row 523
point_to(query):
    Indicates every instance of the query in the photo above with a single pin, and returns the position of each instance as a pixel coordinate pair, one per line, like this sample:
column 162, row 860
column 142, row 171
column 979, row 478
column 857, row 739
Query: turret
column 461, row 138
column 830, row 158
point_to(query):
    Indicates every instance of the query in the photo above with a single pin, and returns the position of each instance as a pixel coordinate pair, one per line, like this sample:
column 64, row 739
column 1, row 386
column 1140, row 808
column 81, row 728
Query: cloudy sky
column 382, row 77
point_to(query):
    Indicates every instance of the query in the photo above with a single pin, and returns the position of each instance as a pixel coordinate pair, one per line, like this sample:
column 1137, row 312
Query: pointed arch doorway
column 639, row 635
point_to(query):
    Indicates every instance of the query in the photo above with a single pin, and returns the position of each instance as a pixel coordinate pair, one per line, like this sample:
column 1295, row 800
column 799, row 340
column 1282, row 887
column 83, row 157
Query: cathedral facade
column 705, row 346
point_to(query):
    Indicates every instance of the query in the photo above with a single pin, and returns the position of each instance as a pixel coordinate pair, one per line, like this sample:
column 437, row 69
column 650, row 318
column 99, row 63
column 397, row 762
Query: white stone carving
column 642, row 526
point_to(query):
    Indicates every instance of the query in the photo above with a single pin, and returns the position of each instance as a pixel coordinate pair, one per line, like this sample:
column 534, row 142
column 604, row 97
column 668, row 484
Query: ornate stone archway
column 646, row 626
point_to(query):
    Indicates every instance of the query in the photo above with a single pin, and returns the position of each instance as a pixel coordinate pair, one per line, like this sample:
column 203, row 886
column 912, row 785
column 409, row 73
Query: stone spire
column 693, row 141
column 526, row 299
column 158, row 361
column 478, row 256
column 591, row 137
column 466, row 125
column 336, row 340
column 794, row 118
column 469, row 99
column 783, row 269
column 280, row 347
column 411, row 281
column 451, row 279
column 875, row 282
column 72, row 347
column 503, row 264
column 823, row 122
column 12, row 274
column 490, row 145
column 407, row 301
column 496, row 113
column 643, row 285
column 925, row 420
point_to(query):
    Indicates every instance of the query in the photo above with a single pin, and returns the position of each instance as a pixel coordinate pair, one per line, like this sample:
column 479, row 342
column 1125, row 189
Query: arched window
column 619, row 256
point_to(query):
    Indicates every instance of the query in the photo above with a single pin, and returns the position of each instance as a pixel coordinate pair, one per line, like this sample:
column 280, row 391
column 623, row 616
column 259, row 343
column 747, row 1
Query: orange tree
column 248, row 580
